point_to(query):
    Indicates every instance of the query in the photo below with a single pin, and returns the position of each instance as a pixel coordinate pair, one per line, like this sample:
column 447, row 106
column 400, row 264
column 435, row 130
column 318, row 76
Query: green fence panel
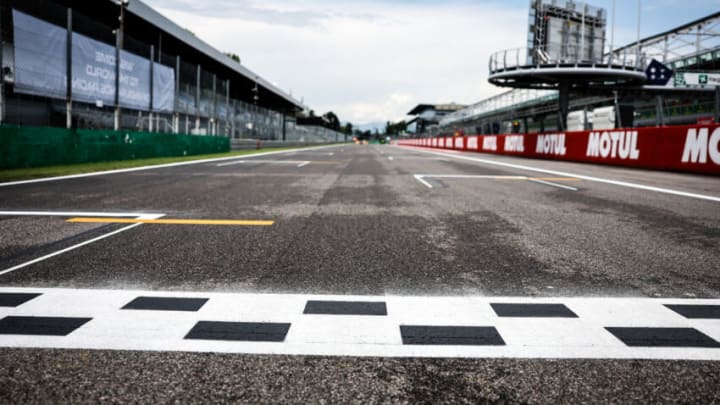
column 33, row 146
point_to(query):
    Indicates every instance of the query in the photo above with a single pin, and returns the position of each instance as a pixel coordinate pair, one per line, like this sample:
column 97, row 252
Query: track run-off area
column 438, row 267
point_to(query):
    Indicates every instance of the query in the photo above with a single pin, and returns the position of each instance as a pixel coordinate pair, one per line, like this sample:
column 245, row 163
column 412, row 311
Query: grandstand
column 429, row 115
column 169, row 80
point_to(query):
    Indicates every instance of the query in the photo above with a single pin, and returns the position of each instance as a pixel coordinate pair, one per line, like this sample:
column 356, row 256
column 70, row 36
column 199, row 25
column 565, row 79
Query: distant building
column 428, row 115
column 560, row 50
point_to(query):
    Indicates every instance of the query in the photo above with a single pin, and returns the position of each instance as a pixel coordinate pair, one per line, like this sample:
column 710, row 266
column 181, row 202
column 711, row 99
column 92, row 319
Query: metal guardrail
column 511, row 99
column 521, row 58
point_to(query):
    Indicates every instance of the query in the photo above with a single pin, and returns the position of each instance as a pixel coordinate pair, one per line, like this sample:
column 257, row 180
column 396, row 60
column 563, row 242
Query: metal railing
column 512, row 99
column 523, row 58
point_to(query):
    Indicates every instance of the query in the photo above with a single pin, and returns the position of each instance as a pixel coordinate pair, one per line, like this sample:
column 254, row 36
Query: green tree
column 333, row 120
column 233, row 56
column 395, row 128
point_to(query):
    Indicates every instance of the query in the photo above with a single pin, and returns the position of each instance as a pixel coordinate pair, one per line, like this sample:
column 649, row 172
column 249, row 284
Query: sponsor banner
column 684, row 148
column 697, row 79
column 93, row 75
column 489, row 143
column 163, row 88
column 134, row 81
column 40, row 64
column 460, row 143
column 93, row 71
column 40, row 57
column 472, row 143
column 514, row 144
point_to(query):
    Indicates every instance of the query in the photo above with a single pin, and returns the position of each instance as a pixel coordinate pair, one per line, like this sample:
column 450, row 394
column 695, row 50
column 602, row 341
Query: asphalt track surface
column 358, row 221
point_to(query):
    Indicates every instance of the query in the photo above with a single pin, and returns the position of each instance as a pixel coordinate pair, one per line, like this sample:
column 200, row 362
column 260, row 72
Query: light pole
column 2, row 74
column 612, row 35
column 119, row 45
column 637, row 56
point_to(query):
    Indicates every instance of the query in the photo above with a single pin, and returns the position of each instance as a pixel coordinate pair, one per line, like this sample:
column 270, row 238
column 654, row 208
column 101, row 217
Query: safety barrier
column 37, row 146
column 683, row 148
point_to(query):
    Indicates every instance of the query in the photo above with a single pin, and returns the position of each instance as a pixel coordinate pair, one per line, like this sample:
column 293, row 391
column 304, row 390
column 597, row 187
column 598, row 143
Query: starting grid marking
column 661, row 190
column 81, row 214
column 138, row 216
column 214, row 222
column 467, row 327
column 548, row 181
column 134, row 219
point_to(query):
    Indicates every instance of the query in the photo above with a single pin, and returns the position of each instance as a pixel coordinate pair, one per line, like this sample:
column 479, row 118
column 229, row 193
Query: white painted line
column 577, row 176
column 163, row 166
column 391, row 158
column 269, row 162
column 78, row 214
column 470, row 176
column 79, row 245
column 303, row 164
column 59, row 252
column 421, row 179
column 584, row 337
column 548, row 183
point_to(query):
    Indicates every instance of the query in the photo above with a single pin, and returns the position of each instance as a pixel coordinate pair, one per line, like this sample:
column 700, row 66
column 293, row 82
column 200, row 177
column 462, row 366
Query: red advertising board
column 688, row 148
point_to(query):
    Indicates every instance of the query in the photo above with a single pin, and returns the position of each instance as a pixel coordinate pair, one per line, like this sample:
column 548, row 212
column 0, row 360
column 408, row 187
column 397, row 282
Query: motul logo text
column 551, row 145
column 698, row 147
column 616, row 144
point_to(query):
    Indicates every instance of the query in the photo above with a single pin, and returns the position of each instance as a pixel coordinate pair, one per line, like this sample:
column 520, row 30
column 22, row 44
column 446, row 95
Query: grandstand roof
column 150, row 15
column 145, row 27
column 451, row 107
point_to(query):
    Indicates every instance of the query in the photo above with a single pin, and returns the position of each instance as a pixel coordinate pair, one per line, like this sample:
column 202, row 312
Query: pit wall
column 22, row 146
column 684, row 148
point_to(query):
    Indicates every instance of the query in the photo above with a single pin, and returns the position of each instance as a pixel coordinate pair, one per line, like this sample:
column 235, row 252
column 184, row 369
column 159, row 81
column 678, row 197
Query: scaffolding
column 565, row 31
column 699, row 39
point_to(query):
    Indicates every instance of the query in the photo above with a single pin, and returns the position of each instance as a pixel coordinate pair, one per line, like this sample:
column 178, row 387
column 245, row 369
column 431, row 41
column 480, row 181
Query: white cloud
column 392, row 107
column 368, row 61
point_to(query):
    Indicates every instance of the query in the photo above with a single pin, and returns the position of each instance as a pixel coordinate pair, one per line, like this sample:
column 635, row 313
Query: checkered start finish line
column 468, row 327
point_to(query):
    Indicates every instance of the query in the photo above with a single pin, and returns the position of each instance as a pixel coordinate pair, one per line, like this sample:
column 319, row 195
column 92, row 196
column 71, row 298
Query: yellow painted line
column 171, row 221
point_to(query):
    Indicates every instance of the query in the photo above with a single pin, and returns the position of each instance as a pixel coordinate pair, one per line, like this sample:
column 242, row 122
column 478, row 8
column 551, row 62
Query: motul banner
column 690, row 148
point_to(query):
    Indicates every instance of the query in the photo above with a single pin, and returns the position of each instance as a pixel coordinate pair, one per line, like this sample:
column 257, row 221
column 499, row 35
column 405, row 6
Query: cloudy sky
column 372, row 60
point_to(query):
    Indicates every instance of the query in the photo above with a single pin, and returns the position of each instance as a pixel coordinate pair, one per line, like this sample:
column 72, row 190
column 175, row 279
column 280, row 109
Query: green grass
column 54, row 171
